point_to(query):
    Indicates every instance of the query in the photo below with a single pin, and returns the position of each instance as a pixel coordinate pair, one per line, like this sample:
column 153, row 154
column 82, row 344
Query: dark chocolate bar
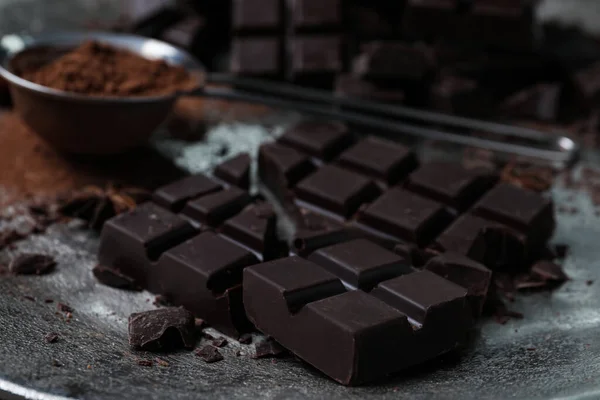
column 337, row 190
column 174, row 195
column 133, row 241
column 354, row 336
column 451, row 183
column 401, row 214
column 235, row 171
column 380, row 159
column 323, row 140
column 204, row 275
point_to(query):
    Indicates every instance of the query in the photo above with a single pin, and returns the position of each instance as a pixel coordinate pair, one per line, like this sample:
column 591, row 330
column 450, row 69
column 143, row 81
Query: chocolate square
column 215, row 208
column 173, row 196
column 323, row 140
column 256, row 56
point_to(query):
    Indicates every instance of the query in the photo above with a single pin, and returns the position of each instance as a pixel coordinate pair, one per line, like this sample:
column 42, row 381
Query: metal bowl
column 81, row 124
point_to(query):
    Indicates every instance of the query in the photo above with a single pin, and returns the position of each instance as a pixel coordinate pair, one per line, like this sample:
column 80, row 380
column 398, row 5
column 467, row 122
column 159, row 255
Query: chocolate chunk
column 314, row 231
column 132, row 241
column 162, row 329
column 32, row 264
column 492, row 244
column 451, row 183
column 389, row 61
column 281, row 167
column 360, row 263
column 219, row 342
column 380, row 159
column 256, row 229
column 204, row 275
column 257, row 15
column 256, row 56
column 523, row 210
column 267, row 348
column 407, row 216
column 246, row 338
column 315, row 15
column 215, row 208
column 354, row 87
column 540, row 102
column 174, row 195
column 113, row 277
column 549, row 271
column 323, row 140
column 463, row 96
column 235, row 171
column 337, row 190
column 64, row 308
column 368, row 336
column 51, row 337
column 465, row 272
column 315, row 59
column 209, row 354
column 145, row 363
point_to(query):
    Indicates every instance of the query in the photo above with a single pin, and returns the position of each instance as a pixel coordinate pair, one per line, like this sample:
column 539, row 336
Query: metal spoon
column 100, row 125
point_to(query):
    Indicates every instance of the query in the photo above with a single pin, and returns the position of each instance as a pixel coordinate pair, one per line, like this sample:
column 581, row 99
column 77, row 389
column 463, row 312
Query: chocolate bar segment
column 360, row 263
column 315, row 59
column 252, row 16
column 521, row 209
column 323, row 140
column 337, row 190
column 380, row 159
column 451, row 183
column 215, row 208
column 281, row 167
column 315, row 15
column 406, row 216
column 354, row 337
column 256, row 56
column 315, row 231
column 174, row 195
column 133, row 241
column 235, row 171
column 256, row 229
column 204, row 275
column 466, row 273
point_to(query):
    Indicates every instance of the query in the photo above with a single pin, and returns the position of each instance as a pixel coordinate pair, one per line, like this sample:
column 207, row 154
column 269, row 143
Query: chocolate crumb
column 51, row 337
column 30, row 264
column 113, row 277
column 589, row 282
column 220, row 342
column 238, row 353
column 30, row 298
column 64, row 308
column 246, row 338
column 48, row 301
column 530, row 348
column 161, row 362
column 268, row 348
column 56, row 363
column 145, row 363
column 209, row 354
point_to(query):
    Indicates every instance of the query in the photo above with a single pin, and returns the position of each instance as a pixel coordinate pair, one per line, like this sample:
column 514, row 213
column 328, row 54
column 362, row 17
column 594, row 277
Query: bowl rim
column 14, row 44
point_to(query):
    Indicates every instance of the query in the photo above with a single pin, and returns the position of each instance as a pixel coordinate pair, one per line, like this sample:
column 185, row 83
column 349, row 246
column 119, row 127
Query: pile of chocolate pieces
column 388, row 261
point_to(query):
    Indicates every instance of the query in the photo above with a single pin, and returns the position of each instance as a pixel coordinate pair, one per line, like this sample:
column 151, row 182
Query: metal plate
column 553, row 352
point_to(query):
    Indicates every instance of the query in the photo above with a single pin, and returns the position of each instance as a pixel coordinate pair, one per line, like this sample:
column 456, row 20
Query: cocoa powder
column 98, row 69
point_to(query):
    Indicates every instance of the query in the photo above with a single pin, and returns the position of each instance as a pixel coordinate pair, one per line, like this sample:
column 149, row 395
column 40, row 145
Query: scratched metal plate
column 554, row 352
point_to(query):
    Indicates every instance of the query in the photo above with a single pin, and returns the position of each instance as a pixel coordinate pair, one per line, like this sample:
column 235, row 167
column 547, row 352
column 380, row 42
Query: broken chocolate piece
column 113, row 277
column 32, row 264
column 268, row 348
column 219, row 342
column 209, row 354
column 51, row 337
column 162, row 329
column 64, row 308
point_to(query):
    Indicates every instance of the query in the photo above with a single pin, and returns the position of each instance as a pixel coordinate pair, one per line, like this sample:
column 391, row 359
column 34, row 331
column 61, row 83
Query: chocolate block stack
column 387, row 263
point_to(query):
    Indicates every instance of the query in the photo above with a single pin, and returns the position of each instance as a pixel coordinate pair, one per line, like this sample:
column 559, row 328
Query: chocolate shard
column 324, row 140
column 132, row 242
column 32, row 264
column 337, row 190
column 174, row 195
column 114, row 278
column 235, row 171
column 381, row 159
column 210, row 354
column 549, row 271
column 465, row 272
column 268, row 348
column 204, row 274
column 162, row 329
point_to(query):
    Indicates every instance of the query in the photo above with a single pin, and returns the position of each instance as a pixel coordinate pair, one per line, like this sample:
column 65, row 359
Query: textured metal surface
column 552, row 353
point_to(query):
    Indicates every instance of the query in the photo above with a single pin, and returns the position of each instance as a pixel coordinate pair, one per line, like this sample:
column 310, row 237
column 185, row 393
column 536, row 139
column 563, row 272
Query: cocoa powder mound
column 98, row 69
